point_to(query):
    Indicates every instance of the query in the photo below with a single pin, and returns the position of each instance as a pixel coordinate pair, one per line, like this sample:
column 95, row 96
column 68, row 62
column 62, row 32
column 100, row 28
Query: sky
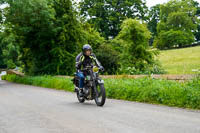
column 151, row 3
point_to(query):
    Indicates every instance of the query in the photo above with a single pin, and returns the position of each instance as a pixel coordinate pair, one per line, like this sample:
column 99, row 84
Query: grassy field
column 180, row 61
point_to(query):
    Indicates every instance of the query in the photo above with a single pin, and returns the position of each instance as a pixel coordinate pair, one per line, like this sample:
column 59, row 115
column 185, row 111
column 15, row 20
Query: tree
column 32, row 23
column 154, row 18
column 2, row 62
column 197, row 33
column 67, row 39
column 107, row 15
column 9, row 50
column 178, row 22
column 48, row 35
column 109, row 57
column 103, row 49
column 135, row 37
column 91, row 36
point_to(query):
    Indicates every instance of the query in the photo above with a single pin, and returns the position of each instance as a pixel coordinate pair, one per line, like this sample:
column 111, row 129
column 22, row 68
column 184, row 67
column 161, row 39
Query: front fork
column 95, row 80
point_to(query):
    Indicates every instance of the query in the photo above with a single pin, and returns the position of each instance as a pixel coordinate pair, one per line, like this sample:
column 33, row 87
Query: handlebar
column 88, row 68
column 91, row 67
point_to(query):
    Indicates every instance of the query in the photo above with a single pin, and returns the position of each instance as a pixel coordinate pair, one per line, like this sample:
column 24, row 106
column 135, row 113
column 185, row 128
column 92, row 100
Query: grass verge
column 58, row 83
column 148, row 90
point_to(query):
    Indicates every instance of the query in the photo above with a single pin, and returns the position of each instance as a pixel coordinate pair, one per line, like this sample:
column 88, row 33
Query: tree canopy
column 135, row 37
column 107, row 15
column 45, row 36
column 47, row 33
column 177, row 24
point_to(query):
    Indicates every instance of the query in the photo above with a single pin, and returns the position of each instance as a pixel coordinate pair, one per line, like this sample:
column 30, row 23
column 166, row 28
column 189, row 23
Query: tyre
column 80, row 99
column 100, row 98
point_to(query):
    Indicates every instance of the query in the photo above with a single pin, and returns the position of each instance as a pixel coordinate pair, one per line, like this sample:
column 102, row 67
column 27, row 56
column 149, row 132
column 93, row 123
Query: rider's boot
column 76, row 89
column 81, row 92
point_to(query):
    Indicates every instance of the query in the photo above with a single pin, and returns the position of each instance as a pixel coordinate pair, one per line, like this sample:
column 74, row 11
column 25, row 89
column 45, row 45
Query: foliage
column 154, row 18
column 2, row 62
column 177, row 18
column 173, row 38
column 107, row 15
column 48, row 35
column 44, row 36
column 108, row 57
column 136, row 57
column 104, row 50
column 67, row 40
column 91, row 36
column 157, row 91
column 43, row 81
column 9, row 50
column 197, row 33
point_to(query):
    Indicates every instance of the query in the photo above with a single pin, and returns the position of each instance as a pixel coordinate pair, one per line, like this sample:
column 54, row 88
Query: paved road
column 28, row 109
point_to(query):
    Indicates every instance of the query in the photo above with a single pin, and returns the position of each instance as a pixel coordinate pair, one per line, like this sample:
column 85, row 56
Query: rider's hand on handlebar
column 101, row 68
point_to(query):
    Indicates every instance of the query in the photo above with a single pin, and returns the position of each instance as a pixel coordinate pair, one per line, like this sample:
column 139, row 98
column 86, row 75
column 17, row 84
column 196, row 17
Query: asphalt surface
column 29, row 109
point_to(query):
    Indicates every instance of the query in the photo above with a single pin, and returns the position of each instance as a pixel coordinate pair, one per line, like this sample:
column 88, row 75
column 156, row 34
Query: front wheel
column 80, row 99
column 100, row 97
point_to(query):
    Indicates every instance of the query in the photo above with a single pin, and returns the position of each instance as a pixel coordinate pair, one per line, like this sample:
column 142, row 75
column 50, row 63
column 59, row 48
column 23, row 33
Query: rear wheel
column 100, row 97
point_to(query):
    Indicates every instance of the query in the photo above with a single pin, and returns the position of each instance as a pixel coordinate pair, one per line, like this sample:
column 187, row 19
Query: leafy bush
column 172, row 38
column 108, row 57
column 154, row 68
column 136, row 56
column 172, row 93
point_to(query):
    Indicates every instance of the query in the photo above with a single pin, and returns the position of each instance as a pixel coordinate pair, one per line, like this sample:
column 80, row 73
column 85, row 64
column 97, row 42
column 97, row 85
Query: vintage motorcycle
column 93, row 86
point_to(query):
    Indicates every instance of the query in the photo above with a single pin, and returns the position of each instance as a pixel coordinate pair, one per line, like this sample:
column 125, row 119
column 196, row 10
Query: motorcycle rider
column 85, row 58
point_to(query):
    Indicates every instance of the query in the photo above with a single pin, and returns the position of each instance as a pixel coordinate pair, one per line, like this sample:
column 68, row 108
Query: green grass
column 59, row 83
column 148, row 90
column 180, row 61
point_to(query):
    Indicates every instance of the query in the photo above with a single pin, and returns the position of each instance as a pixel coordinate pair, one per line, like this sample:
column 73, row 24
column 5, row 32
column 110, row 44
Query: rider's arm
column 97, row 62
column 79, row 61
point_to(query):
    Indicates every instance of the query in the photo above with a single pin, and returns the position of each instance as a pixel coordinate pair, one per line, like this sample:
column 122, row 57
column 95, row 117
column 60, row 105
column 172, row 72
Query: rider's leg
column 81, row 81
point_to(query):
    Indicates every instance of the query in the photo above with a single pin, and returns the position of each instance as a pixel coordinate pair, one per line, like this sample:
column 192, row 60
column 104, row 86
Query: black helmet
column 86, row 47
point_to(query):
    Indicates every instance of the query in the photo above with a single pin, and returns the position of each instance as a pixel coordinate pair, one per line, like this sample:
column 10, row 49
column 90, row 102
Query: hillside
column 181, row 61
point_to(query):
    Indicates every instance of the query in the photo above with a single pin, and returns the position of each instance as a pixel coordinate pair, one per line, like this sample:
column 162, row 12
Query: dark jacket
column 83, row 61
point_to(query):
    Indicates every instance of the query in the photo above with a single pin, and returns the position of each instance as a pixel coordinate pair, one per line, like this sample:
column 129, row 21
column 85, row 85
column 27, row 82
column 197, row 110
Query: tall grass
column 171, row 93
column 156, row 91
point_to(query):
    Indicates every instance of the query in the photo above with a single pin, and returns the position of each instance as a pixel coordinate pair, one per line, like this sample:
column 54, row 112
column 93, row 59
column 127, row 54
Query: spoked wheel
column 101, row 95
column 80, row 99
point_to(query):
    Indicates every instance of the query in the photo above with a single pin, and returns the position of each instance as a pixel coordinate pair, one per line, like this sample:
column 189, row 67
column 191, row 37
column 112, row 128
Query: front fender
column 100, row 81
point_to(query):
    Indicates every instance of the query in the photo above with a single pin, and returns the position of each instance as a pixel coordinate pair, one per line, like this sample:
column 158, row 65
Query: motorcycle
column 93, row 86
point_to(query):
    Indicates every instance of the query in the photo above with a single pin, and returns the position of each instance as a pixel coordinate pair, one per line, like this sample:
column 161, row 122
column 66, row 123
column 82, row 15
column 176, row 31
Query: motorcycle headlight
column 95, row 69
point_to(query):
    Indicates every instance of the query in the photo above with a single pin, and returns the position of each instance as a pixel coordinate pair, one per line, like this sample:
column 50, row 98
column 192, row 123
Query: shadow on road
column 87, row 104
